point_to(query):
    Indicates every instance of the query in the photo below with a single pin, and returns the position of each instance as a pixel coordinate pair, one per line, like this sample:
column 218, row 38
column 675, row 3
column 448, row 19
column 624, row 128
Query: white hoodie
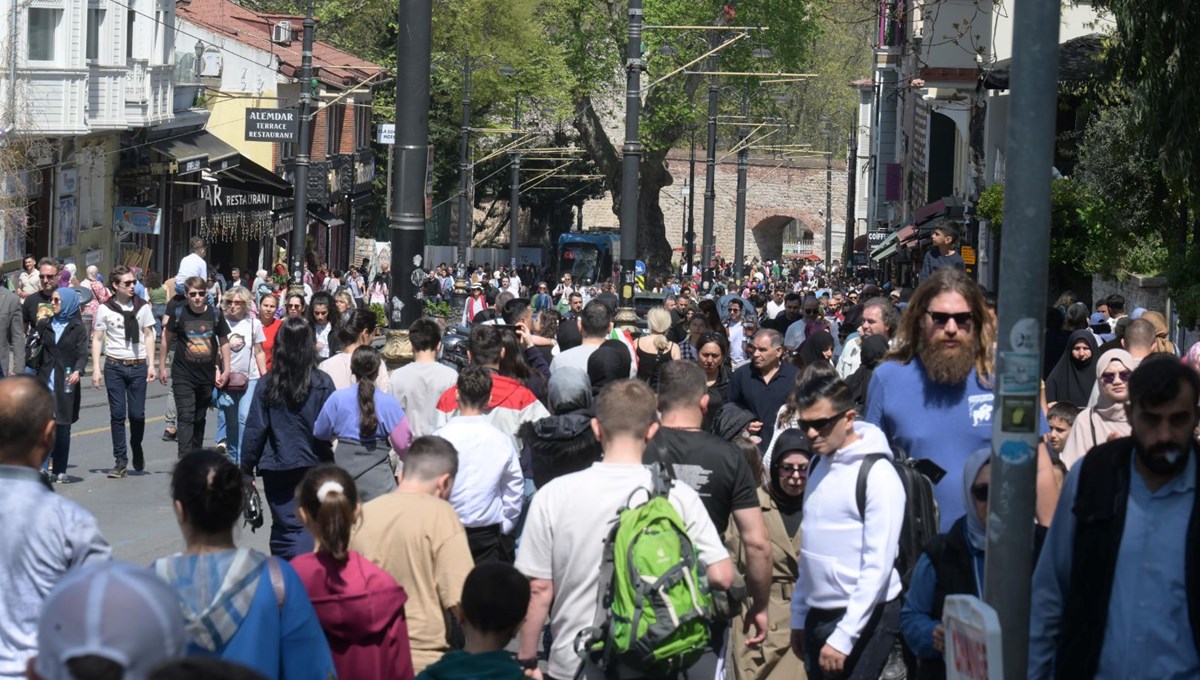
column 846, row 560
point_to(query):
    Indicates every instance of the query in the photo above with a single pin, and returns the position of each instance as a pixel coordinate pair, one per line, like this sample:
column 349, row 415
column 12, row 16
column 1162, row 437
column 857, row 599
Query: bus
column 589, row 257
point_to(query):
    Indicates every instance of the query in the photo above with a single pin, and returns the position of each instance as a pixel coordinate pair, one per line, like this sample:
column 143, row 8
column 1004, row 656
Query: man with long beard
column 1114, row 591
column 933, row 399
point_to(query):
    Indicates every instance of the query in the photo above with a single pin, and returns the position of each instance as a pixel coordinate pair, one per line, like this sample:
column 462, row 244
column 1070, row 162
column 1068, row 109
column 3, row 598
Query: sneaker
column 168, row 435
column 222, row 448
column 118, row 473
column 62, row 478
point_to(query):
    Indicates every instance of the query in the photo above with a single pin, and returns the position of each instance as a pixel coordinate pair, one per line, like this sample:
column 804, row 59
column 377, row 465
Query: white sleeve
column 145, row 317
column 513, row 490
column 535, row 557
column 881, row 542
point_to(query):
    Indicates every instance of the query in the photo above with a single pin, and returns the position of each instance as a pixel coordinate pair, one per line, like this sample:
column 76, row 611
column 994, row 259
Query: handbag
column 34, row 349
column 237, row 382
column 252, row 511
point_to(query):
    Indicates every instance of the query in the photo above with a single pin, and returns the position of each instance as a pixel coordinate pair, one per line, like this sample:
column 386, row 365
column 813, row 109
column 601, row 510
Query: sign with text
column 972, row 639
column 272, row 125
column 134, row 220
column 387, row 133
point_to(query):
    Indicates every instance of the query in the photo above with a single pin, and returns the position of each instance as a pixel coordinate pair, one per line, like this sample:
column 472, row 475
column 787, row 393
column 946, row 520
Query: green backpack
column 654, row 601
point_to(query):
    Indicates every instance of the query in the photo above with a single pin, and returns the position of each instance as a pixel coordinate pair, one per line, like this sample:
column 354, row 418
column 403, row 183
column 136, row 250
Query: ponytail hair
column 330, row 500
column 364, row 365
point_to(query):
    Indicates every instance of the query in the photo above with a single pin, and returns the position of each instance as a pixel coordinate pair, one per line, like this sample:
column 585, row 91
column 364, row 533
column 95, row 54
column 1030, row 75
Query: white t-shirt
column 418, row 386
column 576, row 357
column 241, row 352
column 563, row 541
column 192, row 265
column 323, row 339
column 116, row 344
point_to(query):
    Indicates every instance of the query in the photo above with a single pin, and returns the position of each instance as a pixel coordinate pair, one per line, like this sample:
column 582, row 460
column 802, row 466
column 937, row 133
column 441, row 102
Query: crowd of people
column 425, row 521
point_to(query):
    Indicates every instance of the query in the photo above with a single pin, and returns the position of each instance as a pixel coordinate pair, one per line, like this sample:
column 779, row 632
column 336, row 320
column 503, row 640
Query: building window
column 334, row 115
column 95, row 24
column 43, row 33
column 129, row 17
column 362, row 125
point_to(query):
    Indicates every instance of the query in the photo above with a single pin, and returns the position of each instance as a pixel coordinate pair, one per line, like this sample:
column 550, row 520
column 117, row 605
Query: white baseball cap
column 112, row 610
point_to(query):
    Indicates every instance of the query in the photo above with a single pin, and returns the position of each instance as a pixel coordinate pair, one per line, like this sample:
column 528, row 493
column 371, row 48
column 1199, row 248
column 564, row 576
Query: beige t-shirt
column 338, row 368
column 419, row 540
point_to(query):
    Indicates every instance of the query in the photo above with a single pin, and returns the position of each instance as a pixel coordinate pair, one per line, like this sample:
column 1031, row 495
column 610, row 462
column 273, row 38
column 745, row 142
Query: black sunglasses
column 960, row 319
column 820, row 424
column 980, row 492
column 787, row 470
column 1110, row 378
column 197, row 294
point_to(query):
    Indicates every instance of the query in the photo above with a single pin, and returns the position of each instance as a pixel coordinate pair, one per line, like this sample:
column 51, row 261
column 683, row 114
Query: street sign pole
column 1024, row 268
column 303, row 148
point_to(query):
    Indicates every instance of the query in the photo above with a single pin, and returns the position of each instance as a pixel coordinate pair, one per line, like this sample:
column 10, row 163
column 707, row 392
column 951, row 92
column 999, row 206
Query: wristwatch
column 528, row 664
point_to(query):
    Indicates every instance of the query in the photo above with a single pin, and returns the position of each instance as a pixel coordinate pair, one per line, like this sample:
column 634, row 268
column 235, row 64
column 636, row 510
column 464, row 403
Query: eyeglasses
column 820, row 424
column 197, row 294
column 960, row 318
column 980, row 492
column 787, row 470
column 1110, row 378
column 125, row 283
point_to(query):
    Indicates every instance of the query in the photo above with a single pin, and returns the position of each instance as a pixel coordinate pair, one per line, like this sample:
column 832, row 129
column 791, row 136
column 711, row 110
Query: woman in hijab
column 100, row 294
column 64, row 353
column 1106, row 420
column 781, row 499
column 951, row 564
column 1074, row 375
column 609, row 363
column 817, row 347
column 1161, row 343
column 871, row 353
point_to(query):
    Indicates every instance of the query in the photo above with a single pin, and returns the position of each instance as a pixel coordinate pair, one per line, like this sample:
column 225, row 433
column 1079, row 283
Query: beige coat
column 773, row 660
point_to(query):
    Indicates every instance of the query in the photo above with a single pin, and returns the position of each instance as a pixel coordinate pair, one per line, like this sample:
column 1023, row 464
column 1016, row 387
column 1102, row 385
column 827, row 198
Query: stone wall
column 1139, row 291
column 776, row 193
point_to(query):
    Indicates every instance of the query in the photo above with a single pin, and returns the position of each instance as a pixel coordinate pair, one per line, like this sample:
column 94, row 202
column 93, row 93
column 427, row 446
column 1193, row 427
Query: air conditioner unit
column 281, row 33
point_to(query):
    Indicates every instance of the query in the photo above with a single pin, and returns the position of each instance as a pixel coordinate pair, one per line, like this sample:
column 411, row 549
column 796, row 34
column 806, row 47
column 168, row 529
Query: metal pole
column 710, row 186
column 828, row 202
column 851, row 196
column 464, row 166
column 303, row 148
column 739, row 228
column 407, row 217
column 630, row 162
column 514, row 201
column 1024, row 267
column 687, row 198
column 690, row 246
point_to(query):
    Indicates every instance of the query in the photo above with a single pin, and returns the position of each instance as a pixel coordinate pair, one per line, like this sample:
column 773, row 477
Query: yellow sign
column 968, row 255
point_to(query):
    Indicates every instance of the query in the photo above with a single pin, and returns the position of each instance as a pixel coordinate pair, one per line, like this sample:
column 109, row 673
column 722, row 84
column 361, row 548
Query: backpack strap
column 275, row 573
column 860, row 493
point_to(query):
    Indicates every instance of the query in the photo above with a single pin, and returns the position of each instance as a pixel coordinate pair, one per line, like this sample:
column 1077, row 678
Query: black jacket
column 70, row 350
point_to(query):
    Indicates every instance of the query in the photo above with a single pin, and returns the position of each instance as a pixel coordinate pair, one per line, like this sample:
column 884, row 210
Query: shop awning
column 948, row 207
column 198, row 150
column 887, row 242
column 861, row 243
column 885, row 252
column 253, row 178
column 322, row 214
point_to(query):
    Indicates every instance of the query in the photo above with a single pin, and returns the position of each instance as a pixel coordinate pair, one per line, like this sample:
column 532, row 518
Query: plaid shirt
column 688, row 351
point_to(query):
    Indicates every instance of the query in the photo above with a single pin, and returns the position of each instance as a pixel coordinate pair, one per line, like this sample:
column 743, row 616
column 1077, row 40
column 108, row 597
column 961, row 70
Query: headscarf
column 609, row 363
column 789, row 440
column 813, row 349
column 871, row 352
column 64, row 276
column 1072, row 380
column 976, row 531
column 1095, row 424
column 569, row 390
column 1161, row 343
column 67, row 309
column 93, row 273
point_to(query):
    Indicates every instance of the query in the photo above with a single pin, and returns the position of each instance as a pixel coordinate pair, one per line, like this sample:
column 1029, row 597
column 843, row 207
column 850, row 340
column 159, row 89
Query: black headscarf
column 1072, row 380
column 871, row 353
column 814, row 347
column 789, row 440
column 609, row 363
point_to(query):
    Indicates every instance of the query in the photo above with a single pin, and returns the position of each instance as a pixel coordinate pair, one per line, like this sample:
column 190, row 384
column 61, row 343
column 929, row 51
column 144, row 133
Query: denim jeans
column 289, row 538
column 235, row 421
column 126, row 386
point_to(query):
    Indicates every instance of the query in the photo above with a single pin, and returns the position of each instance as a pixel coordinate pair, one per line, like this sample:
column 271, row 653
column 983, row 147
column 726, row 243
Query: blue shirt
column 941, row 423
column 916, row 614
column 339, row 416
column 1148, row 634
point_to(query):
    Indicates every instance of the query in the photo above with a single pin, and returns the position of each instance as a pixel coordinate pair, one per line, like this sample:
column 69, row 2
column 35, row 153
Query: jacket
column 361, row 610
column 12, row 333
column 561, row 445
column 773, row 660
column 70, row 350
column 277, row 438
column 511, row 405
column 1099, row 510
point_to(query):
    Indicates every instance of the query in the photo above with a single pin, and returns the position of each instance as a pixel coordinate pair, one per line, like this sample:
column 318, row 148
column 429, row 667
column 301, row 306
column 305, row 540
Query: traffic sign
column 639, row 268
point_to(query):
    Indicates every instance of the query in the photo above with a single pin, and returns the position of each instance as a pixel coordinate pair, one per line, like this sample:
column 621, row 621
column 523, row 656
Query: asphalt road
column 135, row 513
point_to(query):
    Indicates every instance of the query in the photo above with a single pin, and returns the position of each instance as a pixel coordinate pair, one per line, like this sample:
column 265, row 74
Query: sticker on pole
column 972, row 639
column 1019, row 373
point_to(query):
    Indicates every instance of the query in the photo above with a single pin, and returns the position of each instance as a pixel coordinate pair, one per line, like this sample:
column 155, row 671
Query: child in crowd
column 495, row 597
column 1060, row 418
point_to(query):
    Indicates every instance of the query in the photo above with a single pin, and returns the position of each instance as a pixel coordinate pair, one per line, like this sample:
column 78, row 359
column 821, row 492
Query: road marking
column 98, row 430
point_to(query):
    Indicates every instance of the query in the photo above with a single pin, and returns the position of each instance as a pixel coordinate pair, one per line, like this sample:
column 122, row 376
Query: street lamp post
column 406, row 217
column 303, row 147
column 630, row 162
column 828, row 193
column 514, row 201
column 739, row 229
column 464, row 169
column 710, row 171
column 690, row 239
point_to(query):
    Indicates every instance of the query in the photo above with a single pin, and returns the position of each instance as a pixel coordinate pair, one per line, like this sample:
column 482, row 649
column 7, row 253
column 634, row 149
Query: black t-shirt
column 781, row 323
column 37, row 305
column 198, row 340
column 711, row 466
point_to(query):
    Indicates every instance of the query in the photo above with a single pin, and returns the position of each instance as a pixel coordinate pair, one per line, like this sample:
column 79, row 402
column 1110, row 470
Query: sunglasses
column 197, row 294
column 980, row 492
column 295, row 306
column 1110, row 378
column 787, row 470
column 125, row 283
column 960, row 319
column 820, row 424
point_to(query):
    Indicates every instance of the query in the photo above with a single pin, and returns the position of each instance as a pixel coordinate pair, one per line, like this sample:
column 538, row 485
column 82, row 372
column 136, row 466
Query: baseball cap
column 112, row 610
